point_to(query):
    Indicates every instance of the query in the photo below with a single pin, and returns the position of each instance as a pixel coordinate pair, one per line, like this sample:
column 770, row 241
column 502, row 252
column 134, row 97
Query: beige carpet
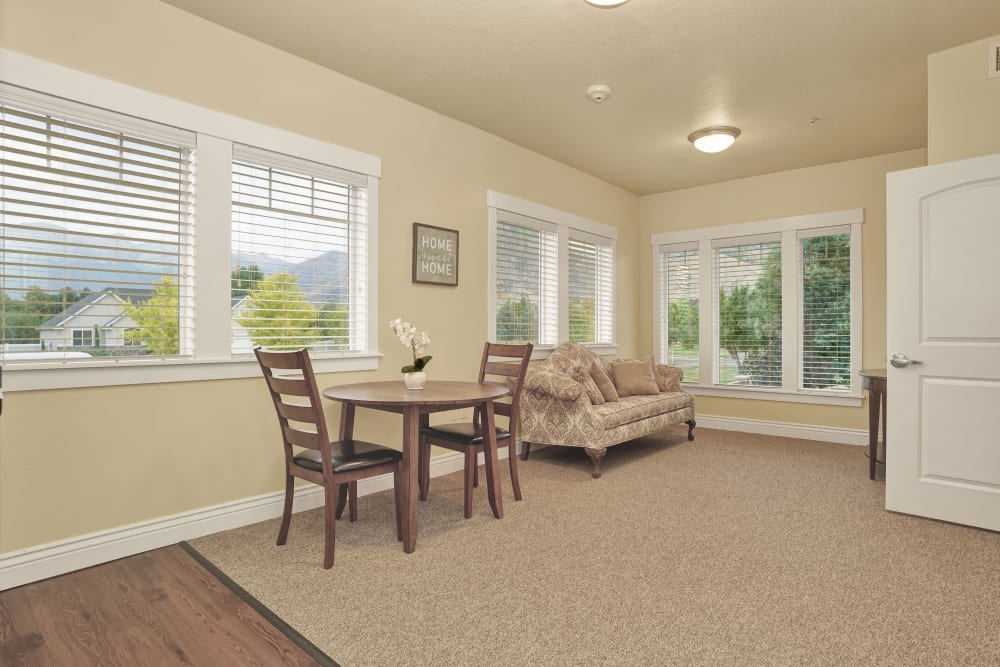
column 733, row 549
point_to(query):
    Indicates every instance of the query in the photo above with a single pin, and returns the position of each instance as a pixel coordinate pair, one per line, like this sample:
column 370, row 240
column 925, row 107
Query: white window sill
column 817, row 398
column 129, row 372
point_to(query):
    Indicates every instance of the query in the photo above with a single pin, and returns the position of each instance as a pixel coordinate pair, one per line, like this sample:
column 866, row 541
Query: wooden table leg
column 347, row 421
column 411, row 467
column 873, row 414
column 885, row 439
column 492, row 462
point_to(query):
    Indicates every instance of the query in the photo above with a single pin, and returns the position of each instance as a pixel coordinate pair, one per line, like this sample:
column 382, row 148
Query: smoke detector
column 598, row 93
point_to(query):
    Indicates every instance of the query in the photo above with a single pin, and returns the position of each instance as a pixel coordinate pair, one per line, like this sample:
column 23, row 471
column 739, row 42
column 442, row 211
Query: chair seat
column 347, row 455
column 463, row 433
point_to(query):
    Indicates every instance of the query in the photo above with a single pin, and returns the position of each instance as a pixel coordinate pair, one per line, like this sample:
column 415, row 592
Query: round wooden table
column 415, row 405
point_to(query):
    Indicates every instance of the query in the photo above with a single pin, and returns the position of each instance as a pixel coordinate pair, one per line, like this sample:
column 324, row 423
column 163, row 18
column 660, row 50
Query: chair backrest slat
column 302, row 438
column 503, row 368
column 288, row 386
column 297, row 413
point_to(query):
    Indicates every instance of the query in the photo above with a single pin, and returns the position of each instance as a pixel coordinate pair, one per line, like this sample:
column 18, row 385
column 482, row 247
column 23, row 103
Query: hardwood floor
column 163, row 607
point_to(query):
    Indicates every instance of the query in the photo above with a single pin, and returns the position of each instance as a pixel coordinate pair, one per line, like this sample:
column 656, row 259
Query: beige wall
column 77, row 461
column 963, row 104
column 831, row 187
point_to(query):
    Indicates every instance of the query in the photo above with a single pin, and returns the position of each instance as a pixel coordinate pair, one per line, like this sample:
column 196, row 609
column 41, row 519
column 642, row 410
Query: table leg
column 885, row 440
column 411, row 467
column 873, row 415
column 347, row 421
column 492, row 462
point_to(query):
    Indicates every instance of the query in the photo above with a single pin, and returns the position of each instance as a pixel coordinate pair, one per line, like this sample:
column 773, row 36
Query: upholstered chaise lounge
column 567, row 401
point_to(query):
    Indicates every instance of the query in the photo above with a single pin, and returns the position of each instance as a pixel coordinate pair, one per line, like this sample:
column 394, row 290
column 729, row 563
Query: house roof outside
column 122, row 295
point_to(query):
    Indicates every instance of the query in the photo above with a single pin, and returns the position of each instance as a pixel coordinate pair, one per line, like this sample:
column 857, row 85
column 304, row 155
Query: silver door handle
column 900, row 360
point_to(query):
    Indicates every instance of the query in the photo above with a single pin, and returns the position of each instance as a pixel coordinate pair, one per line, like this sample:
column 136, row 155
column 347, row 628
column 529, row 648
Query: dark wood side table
column 874, row 381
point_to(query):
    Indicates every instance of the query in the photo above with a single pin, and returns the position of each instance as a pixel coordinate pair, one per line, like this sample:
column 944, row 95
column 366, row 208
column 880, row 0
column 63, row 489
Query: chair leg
column 397, row 493
column 341, row 500
column 512, row 459
column 330, row 512
column 424, row 462
column 286, row 513
column 525, row 449
column 475, row 472
column 470, row 470
column 353, row 503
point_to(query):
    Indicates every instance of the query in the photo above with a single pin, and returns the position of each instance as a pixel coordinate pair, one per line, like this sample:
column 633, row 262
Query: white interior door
column 943, row 441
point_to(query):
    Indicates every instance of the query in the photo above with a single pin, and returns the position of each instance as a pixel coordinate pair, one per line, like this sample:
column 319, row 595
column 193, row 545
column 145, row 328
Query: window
column 129, row 232
column 551, row 275
column 298, row 256
column 95, row 224
column 748, row 313
column 83, row 337
column 680, row 312
column 591, row 290
column 825, row 277
column 526, row 282
column 767, row 309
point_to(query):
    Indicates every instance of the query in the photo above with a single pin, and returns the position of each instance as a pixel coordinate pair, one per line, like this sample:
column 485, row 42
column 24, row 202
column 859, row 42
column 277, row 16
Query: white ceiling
column 519, row 69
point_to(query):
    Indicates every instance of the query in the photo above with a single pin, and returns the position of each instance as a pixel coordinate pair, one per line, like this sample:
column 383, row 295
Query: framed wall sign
column 435, row 255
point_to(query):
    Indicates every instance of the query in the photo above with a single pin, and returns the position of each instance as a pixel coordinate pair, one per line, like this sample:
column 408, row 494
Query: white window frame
column 566, row 225
column 217, row 132
column 791, row 230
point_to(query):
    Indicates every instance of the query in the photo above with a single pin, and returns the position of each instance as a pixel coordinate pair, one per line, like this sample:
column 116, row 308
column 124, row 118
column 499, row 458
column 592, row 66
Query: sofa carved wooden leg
column 691, row 424
column 596, row 455
column 525, row 449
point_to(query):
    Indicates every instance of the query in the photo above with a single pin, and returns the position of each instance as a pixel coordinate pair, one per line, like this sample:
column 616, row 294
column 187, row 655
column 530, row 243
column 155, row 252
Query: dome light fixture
column 714, row 139
column 605, row 4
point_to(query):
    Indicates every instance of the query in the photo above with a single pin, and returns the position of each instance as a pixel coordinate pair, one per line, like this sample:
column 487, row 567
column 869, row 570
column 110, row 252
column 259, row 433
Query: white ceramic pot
column 415, row 380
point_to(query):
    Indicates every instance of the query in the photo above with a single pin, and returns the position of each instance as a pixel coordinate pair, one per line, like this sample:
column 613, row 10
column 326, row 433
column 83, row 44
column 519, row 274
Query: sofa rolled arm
column 552, row 383
column 668, row 378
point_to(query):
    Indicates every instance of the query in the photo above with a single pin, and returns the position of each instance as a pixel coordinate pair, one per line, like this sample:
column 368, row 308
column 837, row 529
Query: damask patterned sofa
column 566, row 401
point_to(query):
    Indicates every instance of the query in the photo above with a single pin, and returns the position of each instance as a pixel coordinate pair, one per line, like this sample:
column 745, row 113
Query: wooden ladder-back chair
column 510, row 363
column 336, row 466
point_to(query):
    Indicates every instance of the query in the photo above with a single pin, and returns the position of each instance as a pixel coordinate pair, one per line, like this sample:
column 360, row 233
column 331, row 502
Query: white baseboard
column 48, row 560
column 838, row 434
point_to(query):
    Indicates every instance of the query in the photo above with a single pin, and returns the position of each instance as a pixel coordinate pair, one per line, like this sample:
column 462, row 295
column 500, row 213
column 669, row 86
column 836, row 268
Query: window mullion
column 856, row 308
column 562, row 273
column 708, row 333
column 213, row 212
column 791, row 311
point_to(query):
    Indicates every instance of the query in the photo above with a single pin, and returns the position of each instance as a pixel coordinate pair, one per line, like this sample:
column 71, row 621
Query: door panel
column 943, row 296
column 972, row 458
column 956, row 263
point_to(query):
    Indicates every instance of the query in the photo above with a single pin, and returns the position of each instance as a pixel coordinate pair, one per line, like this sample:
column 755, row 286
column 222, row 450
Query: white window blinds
column 679, row 309
column 591, row 289
column 748, row 312
column 96, row 233
column 526, row 281
column 298, row 255
column 825, row 268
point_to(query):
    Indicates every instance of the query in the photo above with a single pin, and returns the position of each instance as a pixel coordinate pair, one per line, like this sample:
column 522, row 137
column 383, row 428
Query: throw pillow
column 634, row 378
column 603, row 382
column 580, row 374
column 668, row 378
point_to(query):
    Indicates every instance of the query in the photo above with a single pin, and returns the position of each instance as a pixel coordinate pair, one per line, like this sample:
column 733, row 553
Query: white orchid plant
column 413, row 339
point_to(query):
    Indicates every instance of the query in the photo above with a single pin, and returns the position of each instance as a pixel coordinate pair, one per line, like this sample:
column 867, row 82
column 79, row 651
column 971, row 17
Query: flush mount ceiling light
column 606, row 3
column 714, row 139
